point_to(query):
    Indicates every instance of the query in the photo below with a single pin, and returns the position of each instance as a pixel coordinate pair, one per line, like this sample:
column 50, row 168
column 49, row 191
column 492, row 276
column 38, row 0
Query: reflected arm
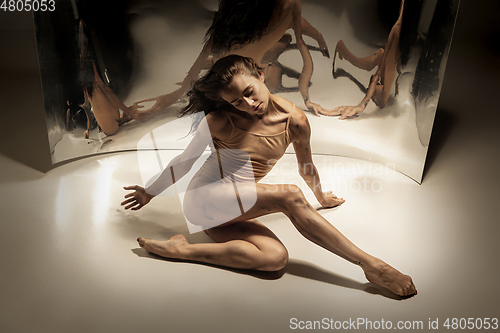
column 203, row 61
column 163, row 101
column 308, row 67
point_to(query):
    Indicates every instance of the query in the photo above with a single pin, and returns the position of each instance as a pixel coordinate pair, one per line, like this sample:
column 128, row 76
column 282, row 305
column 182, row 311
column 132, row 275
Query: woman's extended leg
column 289, row 200
column 247, row 245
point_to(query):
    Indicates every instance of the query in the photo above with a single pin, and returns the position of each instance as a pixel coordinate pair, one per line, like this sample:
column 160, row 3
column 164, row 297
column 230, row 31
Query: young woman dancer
column 242, row 116
column 251, row 29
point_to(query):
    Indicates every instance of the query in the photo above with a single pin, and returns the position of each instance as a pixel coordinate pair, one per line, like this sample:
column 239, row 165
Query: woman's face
column 248, row 94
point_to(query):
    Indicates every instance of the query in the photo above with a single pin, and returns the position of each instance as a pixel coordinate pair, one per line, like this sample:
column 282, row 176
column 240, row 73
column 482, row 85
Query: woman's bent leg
column 244, row 244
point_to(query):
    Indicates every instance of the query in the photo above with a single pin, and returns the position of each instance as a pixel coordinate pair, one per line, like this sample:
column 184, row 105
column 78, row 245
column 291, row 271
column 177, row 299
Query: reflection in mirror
column 113, row 72
column 254, row 29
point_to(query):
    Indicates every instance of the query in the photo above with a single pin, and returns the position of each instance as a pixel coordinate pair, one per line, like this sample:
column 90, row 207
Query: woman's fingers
column 127, row 201
column 347, row 112
column 134, row 200
column 131, row 205
column 132, row 187
column 147, row 100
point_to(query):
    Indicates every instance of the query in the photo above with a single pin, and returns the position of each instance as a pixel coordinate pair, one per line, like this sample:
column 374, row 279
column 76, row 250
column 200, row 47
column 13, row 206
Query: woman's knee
column 286, row 197
column 293, row 197
column 276, row 258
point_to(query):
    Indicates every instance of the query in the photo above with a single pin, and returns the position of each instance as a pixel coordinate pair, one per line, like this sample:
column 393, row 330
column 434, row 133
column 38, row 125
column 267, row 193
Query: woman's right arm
column 178, row 167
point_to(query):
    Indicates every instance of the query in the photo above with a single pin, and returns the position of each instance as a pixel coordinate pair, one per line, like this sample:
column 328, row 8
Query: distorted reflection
column 102, row 64
column 101, row 105
column 388, row 60
column 254, row 29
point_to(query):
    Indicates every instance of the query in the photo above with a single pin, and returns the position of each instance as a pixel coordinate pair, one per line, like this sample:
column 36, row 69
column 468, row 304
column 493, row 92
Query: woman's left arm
column 301, row 136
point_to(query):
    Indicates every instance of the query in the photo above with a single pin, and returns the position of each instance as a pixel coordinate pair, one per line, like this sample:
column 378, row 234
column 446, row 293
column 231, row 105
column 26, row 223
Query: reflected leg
column 309, row 30
column 273, row 74
column 275, row 70
column 106, row 115
column 106, row 107
column 389, row 64
column 366, row 63
column 277, row 49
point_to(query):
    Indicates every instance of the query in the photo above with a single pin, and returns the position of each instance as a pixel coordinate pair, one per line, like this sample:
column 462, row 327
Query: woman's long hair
column 205, row 92
column 238, row 23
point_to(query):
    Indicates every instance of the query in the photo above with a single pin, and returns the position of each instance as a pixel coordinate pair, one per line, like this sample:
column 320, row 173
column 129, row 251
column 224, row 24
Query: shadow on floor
column 294, row 267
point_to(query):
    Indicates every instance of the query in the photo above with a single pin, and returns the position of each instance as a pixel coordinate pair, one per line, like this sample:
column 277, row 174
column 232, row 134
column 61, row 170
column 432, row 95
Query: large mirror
column 368, row 77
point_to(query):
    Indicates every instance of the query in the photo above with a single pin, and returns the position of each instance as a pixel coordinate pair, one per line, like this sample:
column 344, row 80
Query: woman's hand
column 344, row 111
column 330, row 200
column 316, row 108
column 137, row 199
column 350, row 111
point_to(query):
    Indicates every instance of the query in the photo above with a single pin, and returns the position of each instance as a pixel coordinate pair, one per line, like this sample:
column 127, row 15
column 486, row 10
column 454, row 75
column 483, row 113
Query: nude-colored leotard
column 232, row 155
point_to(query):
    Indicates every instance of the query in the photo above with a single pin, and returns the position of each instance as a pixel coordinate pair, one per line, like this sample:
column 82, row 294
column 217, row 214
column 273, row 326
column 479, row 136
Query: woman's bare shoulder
column 219, row 125
column 282, row 103
column 286, row 106
column 299, row 124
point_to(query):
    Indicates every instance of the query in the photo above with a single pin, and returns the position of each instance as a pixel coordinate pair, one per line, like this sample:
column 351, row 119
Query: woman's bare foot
column 172, row 248
column 125, row 118
column 324, row 48
column 386, row 276
column 378, row 55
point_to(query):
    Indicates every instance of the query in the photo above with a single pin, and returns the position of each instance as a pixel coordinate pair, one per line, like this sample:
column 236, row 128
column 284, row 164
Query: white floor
column 70, row 262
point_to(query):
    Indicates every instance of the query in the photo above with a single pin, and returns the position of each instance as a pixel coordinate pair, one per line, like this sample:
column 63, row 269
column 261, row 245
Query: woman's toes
column 178, row 236
column 141, row 241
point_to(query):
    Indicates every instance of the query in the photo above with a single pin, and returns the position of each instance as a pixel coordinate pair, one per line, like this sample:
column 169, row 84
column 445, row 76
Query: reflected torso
column 280, row 23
